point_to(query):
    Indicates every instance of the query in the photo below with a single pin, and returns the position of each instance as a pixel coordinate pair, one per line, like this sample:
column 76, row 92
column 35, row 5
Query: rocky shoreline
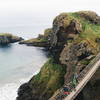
column 73, row 41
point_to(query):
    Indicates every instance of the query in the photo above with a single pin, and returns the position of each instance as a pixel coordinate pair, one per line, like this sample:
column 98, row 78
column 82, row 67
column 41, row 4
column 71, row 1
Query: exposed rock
column 71, row 56
column 63, row 27
column 91, row 16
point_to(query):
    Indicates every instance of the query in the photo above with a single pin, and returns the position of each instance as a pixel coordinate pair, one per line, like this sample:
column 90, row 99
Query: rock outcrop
column 41, row 40
column 90, row 16
column 64, row 27
column 6, row 38
column 73, row 56
column 73, row 41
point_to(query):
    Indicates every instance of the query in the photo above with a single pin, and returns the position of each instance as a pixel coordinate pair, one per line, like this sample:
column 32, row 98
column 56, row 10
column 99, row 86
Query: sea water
column 18, row 63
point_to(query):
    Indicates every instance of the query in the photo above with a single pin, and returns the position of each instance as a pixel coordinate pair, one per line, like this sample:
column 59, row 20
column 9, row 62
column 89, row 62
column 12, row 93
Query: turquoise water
column 18, row 63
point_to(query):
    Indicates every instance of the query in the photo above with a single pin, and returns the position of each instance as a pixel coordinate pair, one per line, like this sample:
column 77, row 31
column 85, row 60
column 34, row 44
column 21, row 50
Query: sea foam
column 9, row 91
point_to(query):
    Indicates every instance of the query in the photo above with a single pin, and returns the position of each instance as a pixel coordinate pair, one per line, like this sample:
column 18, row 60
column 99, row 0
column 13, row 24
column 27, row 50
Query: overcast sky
column 26, row 9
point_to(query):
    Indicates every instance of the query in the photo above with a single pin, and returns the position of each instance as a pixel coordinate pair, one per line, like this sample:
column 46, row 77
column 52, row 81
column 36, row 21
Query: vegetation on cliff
column 73, row 41
column 45, row 83
column 6, row 38
column 86, row 24
column 90, row 26
column 41, row 40
column 48, row 80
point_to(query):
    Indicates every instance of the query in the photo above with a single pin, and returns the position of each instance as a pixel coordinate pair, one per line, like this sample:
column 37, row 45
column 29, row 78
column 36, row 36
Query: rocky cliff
column 6, row 38
column 73, row 41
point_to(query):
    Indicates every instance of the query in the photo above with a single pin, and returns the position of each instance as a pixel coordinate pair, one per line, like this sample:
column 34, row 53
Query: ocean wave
column 9, row 91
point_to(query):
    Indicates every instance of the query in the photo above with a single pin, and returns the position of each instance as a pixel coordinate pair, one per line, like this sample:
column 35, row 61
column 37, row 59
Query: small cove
column 18, row 63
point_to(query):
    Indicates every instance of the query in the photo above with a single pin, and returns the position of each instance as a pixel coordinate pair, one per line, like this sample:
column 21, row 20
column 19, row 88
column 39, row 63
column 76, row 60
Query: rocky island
column 6, row 38
column 73, row 42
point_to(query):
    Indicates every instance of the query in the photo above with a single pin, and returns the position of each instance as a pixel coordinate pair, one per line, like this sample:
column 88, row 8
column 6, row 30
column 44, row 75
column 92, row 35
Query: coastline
column 17, row 75
column 8, row 90
column 73, row 43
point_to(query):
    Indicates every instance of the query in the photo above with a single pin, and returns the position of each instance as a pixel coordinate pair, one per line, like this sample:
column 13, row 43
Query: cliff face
column 75, row 57
column 43, row 85
column 73, row 41
column 6, row 38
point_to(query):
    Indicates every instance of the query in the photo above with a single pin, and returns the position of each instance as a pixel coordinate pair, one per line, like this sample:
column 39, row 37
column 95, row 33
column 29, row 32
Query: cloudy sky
column 12, row 10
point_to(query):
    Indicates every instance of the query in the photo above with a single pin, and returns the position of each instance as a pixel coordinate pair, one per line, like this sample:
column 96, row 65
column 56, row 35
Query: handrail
column 83, row 74
column 84, row 81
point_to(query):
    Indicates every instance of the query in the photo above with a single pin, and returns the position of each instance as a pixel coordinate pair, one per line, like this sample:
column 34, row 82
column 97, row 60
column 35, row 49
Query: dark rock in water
column 6, row 38
column 25, row 92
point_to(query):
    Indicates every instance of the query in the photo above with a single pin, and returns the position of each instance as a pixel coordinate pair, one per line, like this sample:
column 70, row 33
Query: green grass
column 50, row 78
column 90, row 31
column 85, row 62
column 48, row 32
column 6, row 34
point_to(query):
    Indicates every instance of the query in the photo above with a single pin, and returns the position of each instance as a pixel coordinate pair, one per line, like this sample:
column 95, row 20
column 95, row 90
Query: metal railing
column 59, row 93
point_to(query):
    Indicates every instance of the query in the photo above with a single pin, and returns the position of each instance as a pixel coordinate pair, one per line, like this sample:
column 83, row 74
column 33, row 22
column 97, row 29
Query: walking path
column 83, row 79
